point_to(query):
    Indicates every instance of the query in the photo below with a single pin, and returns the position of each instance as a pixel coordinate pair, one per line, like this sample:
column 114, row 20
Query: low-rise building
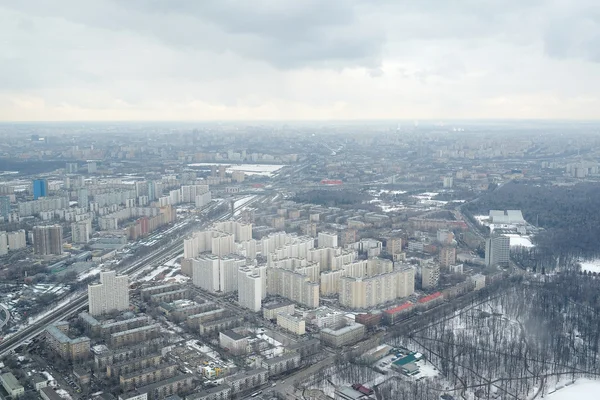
column 132, row 336
column 147, row 376
column 247, row 380
column 38, row 382
column 284, row 363
column 233, row 342
column 291, row 323
column 270, row 311
column 11, row 384
column 167, row 387
column 64, row 346
column 222, row 392
column 48, row 393
column 349, row 334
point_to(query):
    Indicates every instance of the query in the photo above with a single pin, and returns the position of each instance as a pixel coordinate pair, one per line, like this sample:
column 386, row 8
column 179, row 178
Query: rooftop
column 399, row 308
column 341, row 331
column 430, row 297
column 207, row 392
column 140, row 329
column 51, row 394
column 233, row 335
column 10, row 381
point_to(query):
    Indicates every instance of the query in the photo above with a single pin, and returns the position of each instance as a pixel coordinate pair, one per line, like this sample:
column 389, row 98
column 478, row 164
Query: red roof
column 402, row 307
column 331, row 182
column 430, row 297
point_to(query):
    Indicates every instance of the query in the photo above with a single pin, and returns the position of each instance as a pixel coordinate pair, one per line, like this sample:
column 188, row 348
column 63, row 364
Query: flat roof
column 277, row 305
column 430, row 297
column 233, row 335
column 341, row 331
column 207, row 392
column 176, row 378
column 10, row 381
column 399, row 308
column 141, row 328
column 50, row 393
column 284, row 357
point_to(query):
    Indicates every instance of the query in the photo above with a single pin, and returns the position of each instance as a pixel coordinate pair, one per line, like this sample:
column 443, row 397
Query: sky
column 147, row 60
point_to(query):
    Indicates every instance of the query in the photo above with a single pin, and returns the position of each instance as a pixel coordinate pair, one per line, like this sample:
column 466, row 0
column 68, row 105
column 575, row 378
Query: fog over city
column 298, row 60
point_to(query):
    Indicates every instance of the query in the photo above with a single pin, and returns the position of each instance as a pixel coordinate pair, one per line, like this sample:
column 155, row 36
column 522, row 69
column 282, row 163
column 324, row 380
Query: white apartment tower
column 3, row 243
column 325, row 239
column 497, row 251
column 111, row 294
column 17, row 240
column 250, row 289
column 81, row 231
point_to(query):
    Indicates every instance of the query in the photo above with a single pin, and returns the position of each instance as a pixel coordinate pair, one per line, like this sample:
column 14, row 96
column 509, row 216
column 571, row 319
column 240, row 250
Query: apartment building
column 281, row 364
column 270, row 311
column 147, row 376
column 291, row 323
column 111, row 294
column 250, row 288
column 247, row 380
column 47, row 240
column 132, row 336
column 67, row 348
column 234, row 342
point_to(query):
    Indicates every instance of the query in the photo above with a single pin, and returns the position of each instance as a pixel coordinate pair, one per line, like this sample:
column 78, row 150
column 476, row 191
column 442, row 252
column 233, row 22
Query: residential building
column 133, row 336
column 371, row 291
column 111, row 294
column 221, row 392
column 40, row 188
column 4, row 207
column 48, row 393
column 247, row 380
column 3, row 243
column 346, row 335
column 448, row 256
column 167, row 387
column 81, row 231
column 497, row 251
column 216, row 274
column 17, row 240
column 67, row 348
column 270, row 311
column 147, row 376
column 47, row 240
column 291, row 323
column 326, row 239
column 278, row 365
column 233, row 342
column 430, row 276
column 11, row 385
column 250, row 288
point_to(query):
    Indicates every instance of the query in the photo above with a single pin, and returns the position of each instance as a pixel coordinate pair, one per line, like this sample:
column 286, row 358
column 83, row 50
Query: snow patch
column 583, row 389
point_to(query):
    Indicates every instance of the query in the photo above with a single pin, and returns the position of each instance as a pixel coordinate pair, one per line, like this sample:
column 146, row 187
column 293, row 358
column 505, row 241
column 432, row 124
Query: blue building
column 40, row 188
column 4, row 206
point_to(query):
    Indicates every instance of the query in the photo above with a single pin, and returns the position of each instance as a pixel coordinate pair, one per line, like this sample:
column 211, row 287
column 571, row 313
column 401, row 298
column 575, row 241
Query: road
column 80, row 301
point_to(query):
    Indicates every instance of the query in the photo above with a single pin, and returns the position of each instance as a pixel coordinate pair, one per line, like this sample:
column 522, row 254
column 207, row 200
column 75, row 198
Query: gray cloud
column 298, row 59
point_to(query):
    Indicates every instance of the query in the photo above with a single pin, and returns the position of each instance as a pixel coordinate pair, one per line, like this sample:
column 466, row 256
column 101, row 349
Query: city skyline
column 298, row 61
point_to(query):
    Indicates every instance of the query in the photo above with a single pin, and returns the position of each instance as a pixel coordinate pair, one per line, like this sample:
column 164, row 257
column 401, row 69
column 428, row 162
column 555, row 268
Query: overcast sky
column 298, row 59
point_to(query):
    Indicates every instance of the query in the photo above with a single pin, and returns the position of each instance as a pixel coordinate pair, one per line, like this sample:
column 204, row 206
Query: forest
column 567, row 214
column 517, row 343
column 333, row 198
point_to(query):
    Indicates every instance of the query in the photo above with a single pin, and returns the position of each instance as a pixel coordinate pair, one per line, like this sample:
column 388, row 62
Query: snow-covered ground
column 591, row 266
column 248, row 169
column 582, row 389
column 241, row 203
column 154, row 273
column 87, row 274
column 518, row 240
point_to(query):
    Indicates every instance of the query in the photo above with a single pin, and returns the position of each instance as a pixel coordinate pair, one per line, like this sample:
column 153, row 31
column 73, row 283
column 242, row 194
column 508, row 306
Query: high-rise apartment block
column 216, row 274
column 448, row 256
column 47, row 240
column 497, row 250
column 373, row 290
column 81, row 231
column 111, row 294
column 17, row 240
column 250, row 288
column 325, row 239
column 4, row 206
column 430, row 276
column 3, row 243
column 40, row 188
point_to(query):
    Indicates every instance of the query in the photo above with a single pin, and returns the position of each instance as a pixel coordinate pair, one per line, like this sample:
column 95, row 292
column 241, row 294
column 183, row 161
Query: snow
column 155, row 273
column 518, row 240
column 583, row 389
column 591, row 266
column 63, row 393
column 248, row 169
column 91, row 272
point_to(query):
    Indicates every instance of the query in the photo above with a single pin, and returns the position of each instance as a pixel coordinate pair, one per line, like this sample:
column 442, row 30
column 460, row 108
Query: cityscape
column 314, row 262
column 299, row 200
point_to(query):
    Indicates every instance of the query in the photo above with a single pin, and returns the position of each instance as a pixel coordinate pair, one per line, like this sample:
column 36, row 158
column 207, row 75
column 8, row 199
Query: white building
column 3, row 243
column 250, row 288
column 497, row 251
column 216, row 274
column 111, row 294
column 326, row 239
column 291, row 323
column 81, row 231
column 430, row 276
column 17, row 240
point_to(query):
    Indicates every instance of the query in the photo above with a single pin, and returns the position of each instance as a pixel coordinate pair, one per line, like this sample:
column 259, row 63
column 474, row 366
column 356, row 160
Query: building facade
column 111, row 294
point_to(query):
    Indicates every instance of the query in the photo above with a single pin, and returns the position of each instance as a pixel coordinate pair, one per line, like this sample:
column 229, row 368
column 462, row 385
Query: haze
column 301, row 60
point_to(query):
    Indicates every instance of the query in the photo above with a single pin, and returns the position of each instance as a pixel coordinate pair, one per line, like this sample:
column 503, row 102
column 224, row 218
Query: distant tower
column 40, row 188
